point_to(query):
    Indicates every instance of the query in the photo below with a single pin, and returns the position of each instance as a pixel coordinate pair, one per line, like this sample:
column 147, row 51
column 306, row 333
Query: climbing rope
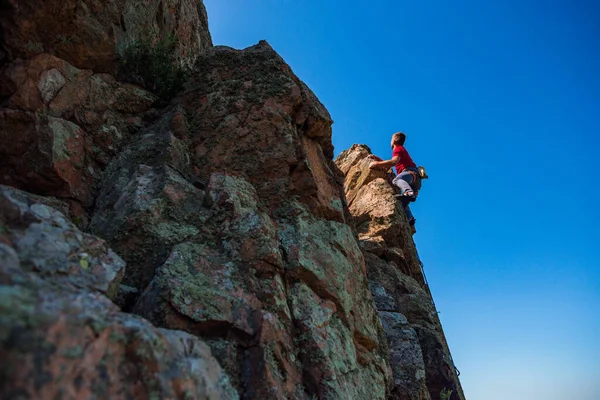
column 433, row 303
column 390, row 176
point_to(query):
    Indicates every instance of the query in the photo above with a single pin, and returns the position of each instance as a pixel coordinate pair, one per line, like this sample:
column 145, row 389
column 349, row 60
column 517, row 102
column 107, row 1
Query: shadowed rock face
column 89, row 33
column 419, row 355
column 60, row 337
column 61, row 126
column 49, row 245
column 230, row 215
column 72, row 122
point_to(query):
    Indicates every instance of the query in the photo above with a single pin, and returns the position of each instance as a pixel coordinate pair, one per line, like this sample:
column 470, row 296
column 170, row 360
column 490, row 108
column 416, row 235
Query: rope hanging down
column 433, row 302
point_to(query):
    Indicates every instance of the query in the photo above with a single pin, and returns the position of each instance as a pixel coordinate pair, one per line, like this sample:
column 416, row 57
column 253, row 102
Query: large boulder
column 61, row 337
column 58, row 343
column 236, row 226
column 89, row 34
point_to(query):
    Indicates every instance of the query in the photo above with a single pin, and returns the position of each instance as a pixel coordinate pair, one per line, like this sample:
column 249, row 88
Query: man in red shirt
column 407, row 178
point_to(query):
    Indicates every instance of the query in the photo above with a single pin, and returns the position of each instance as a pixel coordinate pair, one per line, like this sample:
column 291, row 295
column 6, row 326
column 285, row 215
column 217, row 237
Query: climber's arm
column 384, row 163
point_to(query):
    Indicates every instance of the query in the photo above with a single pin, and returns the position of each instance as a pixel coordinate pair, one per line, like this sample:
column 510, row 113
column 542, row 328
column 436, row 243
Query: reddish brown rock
column 107, row 110
column 59, row 344
column 380, row 220
column 233, row 208
column 419, row 355
column 185, row 20
column 90, row 33
column 230, row 214
column 263, row 105
column 44, row 155
column 62, row 126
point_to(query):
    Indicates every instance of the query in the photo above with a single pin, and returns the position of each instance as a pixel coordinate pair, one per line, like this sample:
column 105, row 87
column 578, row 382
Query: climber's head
column 398, row 139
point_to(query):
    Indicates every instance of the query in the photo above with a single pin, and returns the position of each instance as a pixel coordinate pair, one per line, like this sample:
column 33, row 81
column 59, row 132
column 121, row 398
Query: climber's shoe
column 409, row 194
column 406, row 197
column 412, row 221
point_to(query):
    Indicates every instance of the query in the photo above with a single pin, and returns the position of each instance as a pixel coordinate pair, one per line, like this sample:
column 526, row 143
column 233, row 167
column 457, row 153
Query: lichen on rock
column 257, row 267
column 61, row 337
column 48, row 244
column 243, row 162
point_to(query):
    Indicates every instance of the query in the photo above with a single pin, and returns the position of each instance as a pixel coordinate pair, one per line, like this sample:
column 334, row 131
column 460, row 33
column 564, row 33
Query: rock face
column 57, row 90
column 50, row 245
column 419, row 355
column 89, row 34
column 70, row 123
column 227, row 229
column 60, row 337
column 380, row 226
column 229, row 213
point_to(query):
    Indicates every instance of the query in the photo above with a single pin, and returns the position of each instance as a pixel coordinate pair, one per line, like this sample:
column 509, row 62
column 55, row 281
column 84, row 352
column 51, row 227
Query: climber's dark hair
column 399, row 138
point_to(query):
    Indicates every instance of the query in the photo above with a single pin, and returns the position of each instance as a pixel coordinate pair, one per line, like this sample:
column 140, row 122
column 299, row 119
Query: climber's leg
column 403, row 180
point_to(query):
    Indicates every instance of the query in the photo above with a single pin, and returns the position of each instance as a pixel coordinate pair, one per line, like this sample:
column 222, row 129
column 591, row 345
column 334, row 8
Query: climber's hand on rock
column 373, row 165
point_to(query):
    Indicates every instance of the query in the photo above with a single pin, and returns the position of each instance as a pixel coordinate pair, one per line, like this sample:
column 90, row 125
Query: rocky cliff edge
column 235, row 260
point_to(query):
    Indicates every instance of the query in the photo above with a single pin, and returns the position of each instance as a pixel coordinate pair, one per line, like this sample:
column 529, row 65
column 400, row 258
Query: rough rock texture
column 70, row 123
column 51, row 202
column 89, row 33
column 381, row 225
column 185, row 20
column 419, row 355
column 52, row 247
column 234, row 222
column 60, row 337
column 229, row 212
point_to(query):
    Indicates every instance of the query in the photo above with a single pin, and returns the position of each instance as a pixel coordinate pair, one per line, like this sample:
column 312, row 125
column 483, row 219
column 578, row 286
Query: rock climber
column 408, row 176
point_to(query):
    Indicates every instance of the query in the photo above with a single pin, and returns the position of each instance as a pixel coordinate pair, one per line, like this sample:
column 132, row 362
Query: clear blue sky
column 501, row 102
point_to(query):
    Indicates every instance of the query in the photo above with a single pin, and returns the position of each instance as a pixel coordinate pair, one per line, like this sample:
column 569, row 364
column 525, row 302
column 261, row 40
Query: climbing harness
column 415, row 174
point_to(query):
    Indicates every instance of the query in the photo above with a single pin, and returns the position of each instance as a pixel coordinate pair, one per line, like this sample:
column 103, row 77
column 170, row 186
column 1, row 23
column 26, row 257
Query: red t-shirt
column 404, row 160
